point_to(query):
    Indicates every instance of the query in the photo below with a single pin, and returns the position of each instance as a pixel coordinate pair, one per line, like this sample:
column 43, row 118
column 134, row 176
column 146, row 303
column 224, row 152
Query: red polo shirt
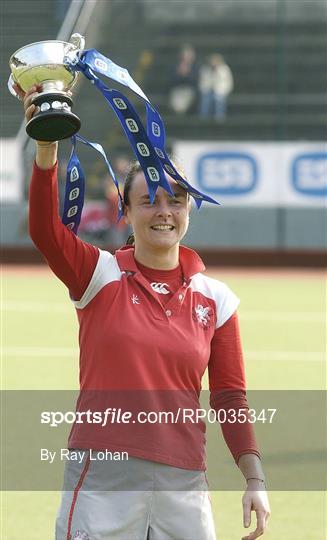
column 139, row 353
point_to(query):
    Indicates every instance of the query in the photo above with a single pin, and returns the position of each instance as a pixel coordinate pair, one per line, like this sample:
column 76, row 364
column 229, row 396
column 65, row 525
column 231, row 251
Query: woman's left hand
column 256, row 500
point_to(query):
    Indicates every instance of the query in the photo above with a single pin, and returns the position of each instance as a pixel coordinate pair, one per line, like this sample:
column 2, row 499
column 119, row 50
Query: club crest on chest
column 203, row 315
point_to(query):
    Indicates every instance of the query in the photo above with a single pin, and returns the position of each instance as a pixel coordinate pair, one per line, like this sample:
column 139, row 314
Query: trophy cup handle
column 78, row 41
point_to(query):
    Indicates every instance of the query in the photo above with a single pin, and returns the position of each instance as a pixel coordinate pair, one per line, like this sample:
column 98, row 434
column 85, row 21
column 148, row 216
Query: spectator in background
column 215, row 85
column 185, row 80
column 99, row 217
column 144, row 63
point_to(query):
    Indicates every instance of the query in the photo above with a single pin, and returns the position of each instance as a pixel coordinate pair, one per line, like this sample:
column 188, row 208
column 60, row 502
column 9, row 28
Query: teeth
column 163, row 227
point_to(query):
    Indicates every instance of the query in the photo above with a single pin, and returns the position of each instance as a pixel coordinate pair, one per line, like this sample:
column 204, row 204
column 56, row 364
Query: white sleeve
column 106, row 271
column 226, row 301
column 227, row 304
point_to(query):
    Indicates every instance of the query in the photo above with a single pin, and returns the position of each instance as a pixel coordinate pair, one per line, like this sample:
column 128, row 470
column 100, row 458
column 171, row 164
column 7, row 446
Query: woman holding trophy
column 149, row 320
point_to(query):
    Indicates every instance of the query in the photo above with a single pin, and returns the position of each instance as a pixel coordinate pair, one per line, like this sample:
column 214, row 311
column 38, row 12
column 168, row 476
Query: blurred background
column 241, row 87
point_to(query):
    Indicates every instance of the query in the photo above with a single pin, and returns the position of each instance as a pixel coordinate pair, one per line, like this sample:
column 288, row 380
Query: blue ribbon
column 75, row 185
column 148, row 144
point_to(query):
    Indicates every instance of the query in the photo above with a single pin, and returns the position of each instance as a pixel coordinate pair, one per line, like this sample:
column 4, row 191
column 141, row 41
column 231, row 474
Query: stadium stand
column 22, row 23
column 279, row 79
column 279, row 70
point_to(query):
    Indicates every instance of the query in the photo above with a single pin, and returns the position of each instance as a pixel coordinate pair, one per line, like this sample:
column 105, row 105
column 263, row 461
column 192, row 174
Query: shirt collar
column 190, row 261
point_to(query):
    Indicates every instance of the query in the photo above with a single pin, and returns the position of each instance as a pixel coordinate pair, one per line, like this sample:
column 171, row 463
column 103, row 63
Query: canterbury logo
column 160, row 288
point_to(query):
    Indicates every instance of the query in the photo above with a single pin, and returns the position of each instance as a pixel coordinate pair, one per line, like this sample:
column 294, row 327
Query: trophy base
column 54, row 121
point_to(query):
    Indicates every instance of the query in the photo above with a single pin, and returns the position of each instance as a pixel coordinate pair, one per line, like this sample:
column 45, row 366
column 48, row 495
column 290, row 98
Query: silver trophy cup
column 45, row 63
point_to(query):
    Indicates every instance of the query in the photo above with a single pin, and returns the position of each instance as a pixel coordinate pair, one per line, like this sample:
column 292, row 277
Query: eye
column 175, row 200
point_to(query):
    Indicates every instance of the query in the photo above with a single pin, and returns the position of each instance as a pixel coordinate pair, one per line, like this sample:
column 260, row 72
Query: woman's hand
column 27, row 98
column 46, row 152
column 255, row 499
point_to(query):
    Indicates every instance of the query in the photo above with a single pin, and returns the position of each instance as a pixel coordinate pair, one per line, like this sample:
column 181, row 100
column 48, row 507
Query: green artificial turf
column 283, row 332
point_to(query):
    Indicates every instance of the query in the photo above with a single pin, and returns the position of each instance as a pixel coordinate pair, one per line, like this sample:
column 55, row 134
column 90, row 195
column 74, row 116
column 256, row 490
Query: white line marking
column 284, row 316
column 282, row 356
column 40, row 352
column 37, row 307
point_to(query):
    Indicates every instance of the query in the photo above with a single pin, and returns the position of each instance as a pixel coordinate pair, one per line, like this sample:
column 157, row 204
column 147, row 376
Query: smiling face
column 158, row 227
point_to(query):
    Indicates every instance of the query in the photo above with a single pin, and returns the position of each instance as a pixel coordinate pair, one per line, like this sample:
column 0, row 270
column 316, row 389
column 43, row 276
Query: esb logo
column 309, row 174
column 227, row 173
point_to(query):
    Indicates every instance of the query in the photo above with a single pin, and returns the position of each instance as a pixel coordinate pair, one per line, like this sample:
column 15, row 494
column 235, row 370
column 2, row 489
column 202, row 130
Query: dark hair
column 133, row 170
